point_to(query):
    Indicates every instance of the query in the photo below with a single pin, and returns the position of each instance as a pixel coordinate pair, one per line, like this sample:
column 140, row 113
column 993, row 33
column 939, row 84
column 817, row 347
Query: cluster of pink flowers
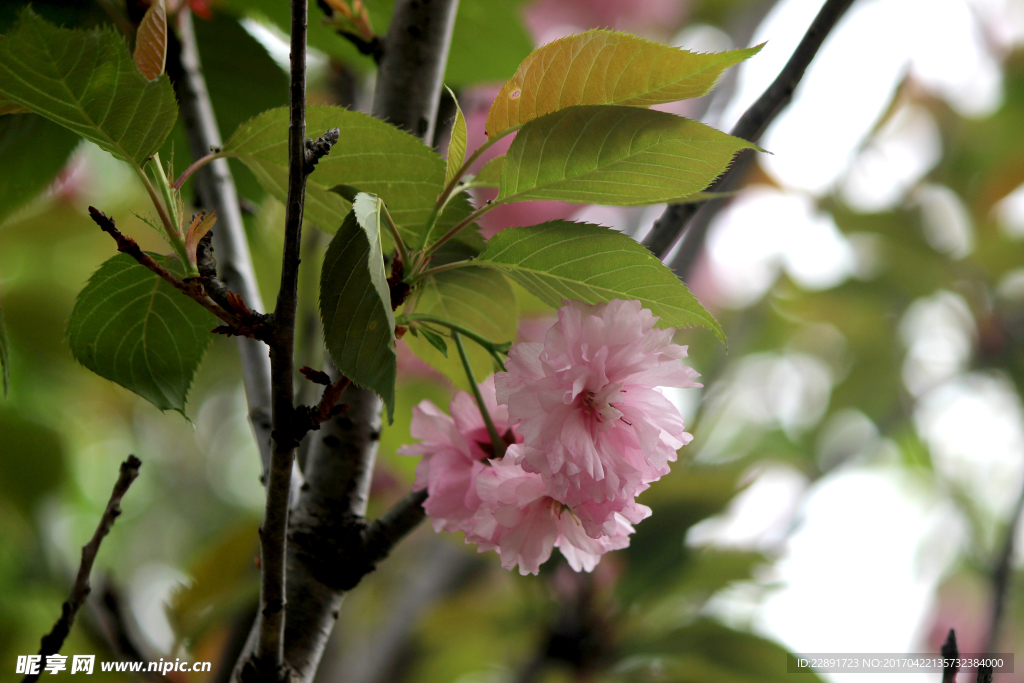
column 586, row 431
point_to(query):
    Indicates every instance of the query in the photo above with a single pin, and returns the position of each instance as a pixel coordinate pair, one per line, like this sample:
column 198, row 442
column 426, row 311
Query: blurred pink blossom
column 552, row 19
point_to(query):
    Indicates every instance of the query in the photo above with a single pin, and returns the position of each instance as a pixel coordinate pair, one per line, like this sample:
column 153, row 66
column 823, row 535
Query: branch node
column 317, row 150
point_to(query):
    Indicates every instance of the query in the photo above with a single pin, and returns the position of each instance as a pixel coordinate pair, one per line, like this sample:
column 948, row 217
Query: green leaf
column 8, row 107
column 457, row 144
column 371, row 156
column 86, row 81
column 34, row 151
column 367, row 209
column 604, row 67
column 477, row 299
column 132, row 327
column 436, row 340
column 359, row 327
column 563, row 260
column 622, row 156
column 5, row 354
column 490, row 174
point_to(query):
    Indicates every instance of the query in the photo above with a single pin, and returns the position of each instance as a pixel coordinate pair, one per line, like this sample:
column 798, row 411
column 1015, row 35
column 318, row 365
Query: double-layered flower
column 595, row 426
column 454, row 450
column 587, row 429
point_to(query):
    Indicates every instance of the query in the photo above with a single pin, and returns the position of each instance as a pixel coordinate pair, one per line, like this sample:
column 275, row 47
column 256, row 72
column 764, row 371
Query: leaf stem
column 196, row 165
column 456, row 229
column 491, row 347
column 438, row 269
column 173, row 236
column 165, row 189
column 496, row 441
column 403, row 252
column 446, row 193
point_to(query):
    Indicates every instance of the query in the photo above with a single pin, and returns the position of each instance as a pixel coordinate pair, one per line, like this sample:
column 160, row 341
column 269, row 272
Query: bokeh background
column 858, row 458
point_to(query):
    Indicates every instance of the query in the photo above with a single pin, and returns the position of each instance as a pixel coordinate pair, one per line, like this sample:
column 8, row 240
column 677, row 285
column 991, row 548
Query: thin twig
column 196, row 165
column 216, row 189
column 327, row 519
column 1001, row 572
column 269, row 660
column 193, row 288
column 54, row 640
column 750, row 127
column 950, row 652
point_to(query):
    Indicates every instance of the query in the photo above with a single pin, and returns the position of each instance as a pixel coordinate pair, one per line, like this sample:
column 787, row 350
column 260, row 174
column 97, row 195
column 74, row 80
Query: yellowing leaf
column 151, row 41
column 621, row 156
column 201, row 224
column 604, row 67
column 457, row 144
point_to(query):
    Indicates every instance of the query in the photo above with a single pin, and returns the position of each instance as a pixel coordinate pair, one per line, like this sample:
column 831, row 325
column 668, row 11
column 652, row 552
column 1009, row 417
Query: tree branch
column 1001, row 572
column 412, row 68
column 269, row 658
column 750, row 127
column 949, row 650
column 394, row 525
column 216, row 190
column 327, row 518
column 54, row 640
column 240, row 321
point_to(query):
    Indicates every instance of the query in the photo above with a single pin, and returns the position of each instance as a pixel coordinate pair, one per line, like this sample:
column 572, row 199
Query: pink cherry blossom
column 523, row 523
column 453, row 450
column 595, row 426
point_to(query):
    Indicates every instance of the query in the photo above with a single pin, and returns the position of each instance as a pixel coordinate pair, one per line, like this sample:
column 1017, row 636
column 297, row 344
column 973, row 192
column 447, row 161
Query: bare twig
column 216, row 190
column 1001, row 572
column 326, row 521
column 750, row 127
column 950, row 652
column 191, row 287
column 269, row 658
column 54, row 640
